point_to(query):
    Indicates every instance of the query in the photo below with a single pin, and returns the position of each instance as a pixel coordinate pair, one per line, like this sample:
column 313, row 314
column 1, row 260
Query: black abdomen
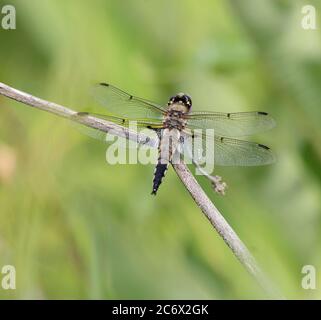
column 160, row 171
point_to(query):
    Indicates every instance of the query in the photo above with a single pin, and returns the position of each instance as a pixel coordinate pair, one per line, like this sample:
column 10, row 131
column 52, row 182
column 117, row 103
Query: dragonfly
column 177, row 127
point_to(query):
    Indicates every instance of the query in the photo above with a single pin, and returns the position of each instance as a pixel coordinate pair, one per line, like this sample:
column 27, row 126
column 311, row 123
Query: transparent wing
column 125, row 122
column 231, row 124
column 227, row 151
column 149, row 131
column 120, row 103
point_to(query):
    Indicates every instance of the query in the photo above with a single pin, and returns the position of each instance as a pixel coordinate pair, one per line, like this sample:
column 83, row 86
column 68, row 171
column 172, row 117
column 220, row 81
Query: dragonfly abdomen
column 167, row 147
column 160, row 171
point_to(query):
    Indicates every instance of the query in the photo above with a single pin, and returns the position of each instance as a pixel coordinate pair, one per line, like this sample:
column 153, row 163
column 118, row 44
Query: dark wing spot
column 222, row 139
column 131, row 97
column 82, row 114
column 229, row 115
column 263, row 146
column 104, row 84
column 263, row 113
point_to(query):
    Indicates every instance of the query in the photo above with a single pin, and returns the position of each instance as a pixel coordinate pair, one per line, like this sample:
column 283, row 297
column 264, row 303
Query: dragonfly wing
column 194, row 148
column 228, row 151
column 231, row 124
column 125, row 122
column 149, row 137
column 233, row 152
column 124, row 104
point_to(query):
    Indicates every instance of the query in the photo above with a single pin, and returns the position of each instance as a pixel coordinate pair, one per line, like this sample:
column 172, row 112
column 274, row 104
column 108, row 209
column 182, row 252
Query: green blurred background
column 76, row 227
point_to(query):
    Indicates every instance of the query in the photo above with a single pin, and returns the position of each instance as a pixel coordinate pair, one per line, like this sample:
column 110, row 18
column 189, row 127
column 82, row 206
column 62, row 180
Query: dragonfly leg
column 218, row 185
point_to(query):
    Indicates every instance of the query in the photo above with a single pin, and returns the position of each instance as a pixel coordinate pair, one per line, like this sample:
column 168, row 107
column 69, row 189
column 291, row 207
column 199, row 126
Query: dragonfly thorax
column 175, row 117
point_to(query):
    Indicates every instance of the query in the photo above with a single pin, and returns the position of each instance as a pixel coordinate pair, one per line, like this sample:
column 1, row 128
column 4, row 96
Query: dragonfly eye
column 181, row 98
column 171, row 100
column 188, row 100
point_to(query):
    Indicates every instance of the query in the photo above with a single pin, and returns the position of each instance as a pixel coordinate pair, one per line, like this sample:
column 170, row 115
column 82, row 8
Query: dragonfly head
column 181, row 99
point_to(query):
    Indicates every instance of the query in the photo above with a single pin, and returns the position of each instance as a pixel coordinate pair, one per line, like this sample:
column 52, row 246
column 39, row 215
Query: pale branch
column 199, row 196
column 223, row 228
